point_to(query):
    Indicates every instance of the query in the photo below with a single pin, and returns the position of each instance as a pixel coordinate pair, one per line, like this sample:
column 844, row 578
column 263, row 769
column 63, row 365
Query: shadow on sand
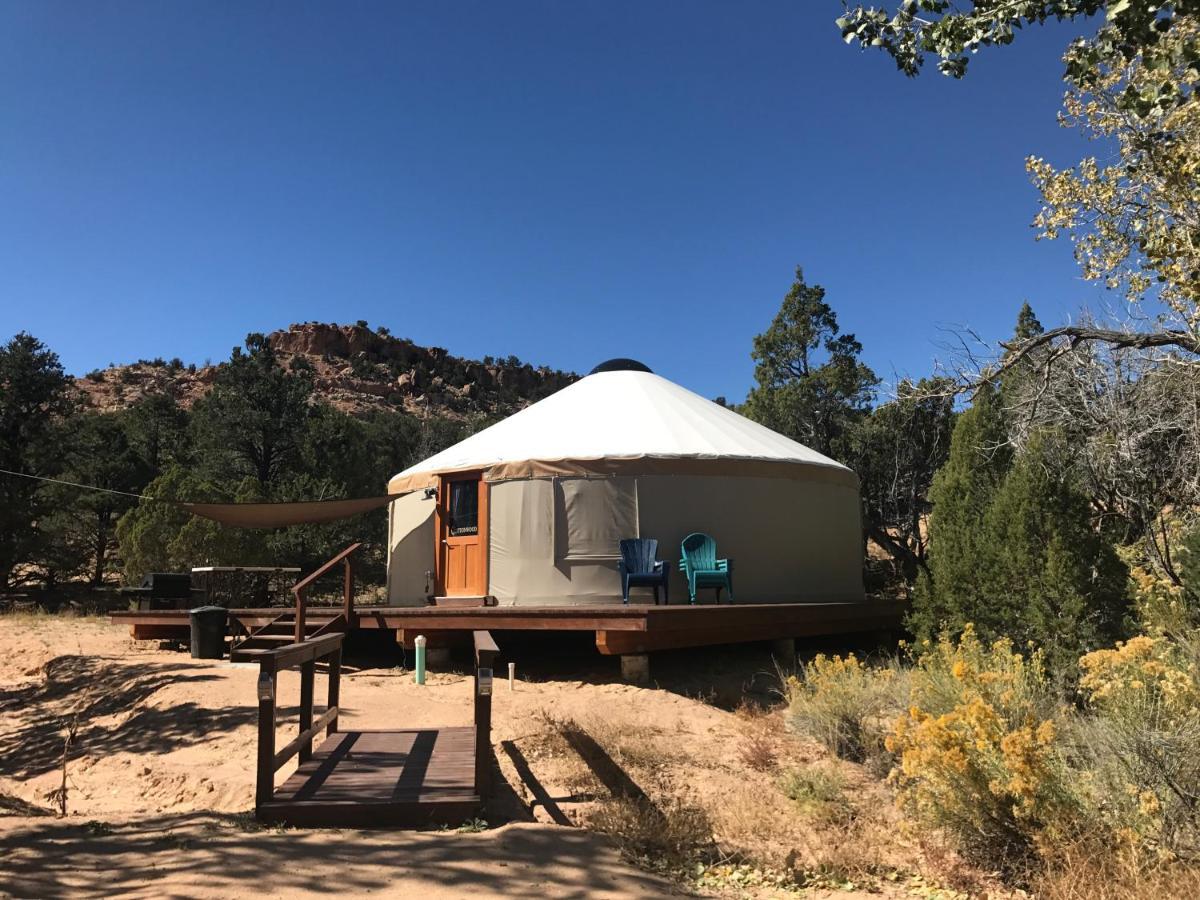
column 208, row 855
column 90, row 688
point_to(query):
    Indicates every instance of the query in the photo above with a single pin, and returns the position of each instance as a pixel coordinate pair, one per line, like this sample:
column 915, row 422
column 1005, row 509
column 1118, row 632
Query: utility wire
column 86, row 487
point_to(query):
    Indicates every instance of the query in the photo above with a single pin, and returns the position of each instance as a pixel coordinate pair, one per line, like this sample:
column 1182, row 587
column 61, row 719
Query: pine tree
column 34, row 400
column 1028, row 325
column 811, row 385
column 254, row 420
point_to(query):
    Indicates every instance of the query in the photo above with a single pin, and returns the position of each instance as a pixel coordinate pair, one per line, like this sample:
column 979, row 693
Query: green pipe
column 419, row 674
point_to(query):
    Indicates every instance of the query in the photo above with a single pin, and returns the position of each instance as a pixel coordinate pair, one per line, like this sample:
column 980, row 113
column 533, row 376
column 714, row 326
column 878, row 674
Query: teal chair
column 702, row 568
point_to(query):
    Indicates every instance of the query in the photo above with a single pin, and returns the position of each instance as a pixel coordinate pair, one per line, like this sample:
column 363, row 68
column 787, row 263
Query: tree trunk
column 103, row 517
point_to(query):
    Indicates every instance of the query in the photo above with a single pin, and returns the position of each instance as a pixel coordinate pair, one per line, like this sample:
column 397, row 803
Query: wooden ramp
column 398, row 778
column 359, row 778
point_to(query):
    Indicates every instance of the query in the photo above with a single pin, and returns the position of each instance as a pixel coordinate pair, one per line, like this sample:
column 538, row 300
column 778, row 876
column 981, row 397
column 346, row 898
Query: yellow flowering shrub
column 1145, row 671
column 1159, row 603
column 846, row 704
column 1142, row 736
column 978, row 747
column 983, row 744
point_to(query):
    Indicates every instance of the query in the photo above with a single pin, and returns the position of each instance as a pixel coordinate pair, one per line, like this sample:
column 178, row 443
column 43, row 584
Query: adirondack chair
column 640, row 567
column 702, row 568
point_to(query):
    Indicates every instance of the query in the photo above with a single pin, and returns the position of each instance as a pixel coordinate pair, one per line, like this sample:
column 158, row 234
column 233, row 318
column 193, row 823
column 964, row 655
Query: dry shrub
column 757, row 752
column 1099, row 798
column 991, row 754
column 653, row 827
column 1092, row 869
column 847, row 706
column 670, row 836
column 819, row 791
column 850, row 845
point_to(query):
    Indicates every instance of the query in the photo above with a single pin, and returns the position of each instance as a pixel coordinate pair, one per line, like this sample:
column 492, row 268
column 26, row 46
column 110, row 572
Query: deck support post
column 486, row 652
column 783, row 650
column 307, row 672
column 265, row 781
column 635, row 668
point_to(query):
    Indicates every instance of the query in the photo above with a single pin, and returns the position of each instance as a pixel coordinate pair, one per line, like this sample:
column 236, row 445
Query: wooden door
column 462, row 536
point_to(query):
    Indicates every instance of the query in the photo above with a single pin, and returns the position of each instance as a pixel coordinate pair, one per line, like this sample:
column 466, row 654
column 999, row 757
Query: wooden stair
column 281, row 631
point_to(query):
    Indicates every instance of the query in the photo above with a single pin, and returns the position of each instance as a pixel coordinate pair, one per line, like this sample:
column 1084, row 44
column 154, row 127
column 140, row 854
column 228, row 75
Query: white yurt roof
column 612, row 416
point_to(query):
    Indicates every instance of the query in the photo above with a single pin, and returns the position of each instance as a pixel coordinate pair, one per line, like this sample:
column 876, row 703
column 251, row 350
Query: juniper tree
column 96, row 451
column 1013, row 546
column 1048, row 574
column 952, row 591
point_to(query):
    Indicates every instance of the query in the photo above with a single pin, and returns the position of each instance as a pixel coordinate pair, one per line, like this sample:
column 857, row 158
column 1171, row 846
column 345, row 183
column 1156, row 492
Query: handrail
column 305, row 655
column 305, row 582
column 486, row 652
column 300, row 588
column 291, row 655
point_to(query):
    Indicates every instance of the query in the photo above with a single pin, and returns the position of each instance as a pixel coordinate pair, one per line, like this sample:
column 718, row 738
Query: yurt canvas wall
column 553, row 541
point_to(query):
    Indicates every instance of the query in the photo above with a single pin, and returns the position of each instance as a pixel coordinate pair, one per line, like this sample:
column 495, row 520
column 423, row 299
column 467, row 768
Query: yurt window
column 464, row 508
column 592, row 516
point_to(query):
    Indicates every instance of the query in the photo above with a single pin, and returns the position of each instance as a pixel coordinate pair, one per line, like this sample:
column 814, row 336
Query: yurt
column 529, row 512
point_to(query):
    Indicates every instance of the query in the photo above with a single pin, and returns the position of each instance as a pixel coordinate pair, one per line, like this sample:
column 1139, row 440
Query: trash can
column 208, row 632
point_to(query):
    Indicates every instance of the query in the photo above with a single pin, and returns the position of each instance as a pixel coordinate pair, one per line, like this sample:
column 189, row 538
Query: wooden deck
column 396, row 778
column 637, row 628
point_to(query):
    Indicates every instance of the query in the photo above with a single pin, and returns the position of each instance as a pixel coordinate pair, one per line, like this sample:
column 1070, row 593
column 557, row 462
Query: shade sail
column 279, row 515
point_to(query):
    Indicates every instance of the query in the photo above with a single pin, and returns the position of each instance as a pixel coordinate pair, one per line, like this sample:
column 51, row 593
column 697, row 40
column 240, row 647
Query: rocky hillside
column 357, row 370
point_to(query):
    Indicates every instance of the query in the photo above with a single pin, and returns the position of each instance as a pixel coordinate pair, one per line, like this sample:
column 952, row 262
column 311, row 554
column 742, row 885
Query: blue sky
column 563, row 181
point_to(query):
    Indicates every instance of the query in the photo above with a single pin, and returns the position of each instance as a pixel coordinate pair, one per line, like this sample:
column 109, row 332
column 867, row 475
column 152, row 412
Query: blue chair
column 702, row 568
column 640, row 567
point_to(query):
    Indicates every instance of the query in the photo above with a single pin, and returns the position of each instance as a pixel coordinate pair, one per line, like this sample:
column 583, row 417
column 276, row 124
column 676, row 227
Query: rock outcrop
column 356, row 369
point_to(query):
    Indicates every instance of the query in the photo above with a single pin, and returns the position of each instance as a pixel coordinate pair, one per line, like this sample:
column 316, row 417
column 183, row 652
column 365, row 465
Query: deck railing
column 303, row 655
column 300, row 589
column 486, row 652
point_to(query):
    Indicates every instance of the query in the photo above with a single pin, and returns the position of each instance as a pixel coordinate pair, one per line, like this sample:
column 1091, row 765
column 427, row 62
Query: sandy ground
column 160, row 778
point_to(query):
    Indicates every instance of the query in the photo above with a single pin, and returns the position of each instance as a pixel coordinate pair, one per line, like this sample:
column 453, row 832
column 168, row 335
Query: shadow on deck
column 398, row 778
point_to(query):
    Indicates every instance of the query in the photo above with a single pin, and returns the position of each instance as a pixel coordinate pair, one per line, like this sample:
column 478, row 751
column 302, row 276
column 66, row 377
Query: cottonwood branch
column 1082, row 334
